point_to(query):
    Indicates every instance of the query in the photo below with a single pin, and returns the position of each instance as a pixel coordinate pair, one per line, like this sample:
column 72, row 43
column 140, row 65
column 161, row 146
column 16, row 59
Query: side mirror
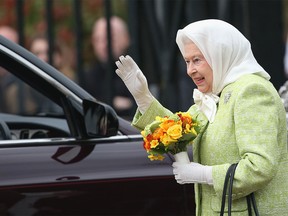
column 100, row 119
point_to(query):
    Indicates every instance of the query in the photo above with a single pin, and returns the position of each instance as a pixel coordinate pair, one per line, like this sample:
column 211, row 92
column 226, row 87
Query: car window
column 80, row 115
column 16, row 97
column 29, row 109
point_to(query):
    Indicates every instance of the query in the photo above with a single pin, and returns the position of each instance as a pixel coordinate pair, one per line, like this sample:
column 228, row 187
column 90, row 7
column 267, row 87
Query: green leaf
column 152, row 127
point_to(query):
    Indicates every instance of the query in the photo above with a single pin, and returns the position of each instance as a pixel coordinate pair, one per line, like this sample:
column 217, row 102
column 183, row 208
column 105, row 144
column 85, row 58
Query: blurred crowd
column 99, row 77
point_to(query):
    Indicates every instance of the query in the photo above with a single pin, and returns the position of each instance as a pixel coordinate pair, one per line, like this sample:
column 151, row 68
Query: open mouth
column 199, row 80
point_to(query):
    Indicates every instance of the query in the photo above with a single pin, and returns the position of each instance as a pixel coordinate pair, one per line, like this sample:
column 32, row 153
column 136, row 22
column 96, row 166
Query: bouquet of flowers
column 170, row 134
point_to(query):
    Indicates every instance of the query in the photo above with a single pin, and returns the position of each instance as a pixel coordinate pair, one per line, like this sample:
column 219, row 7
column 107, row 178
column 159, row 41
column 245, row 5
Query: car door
column 82, row 159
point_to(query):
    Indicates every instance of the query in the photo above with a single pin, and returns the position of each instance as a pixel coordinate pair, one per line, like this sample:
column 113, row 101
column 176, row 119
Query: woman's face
column 198, row 68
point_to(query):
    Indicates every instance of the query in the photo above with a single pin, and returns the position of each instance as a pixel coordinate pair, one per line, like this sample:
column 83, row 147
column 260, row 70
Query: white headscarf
column 227, row 52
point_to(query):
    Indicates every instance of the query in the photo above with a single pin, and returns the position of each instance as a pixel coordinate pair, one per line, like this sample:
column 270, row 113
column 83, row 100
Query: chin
column 202, row 90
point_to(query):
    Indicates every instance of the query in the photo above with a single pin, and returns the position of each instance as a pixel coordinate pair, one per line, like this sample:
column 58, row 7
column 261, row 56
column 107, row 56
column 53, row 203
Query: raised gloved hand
column 192, row 173
column 135, row 81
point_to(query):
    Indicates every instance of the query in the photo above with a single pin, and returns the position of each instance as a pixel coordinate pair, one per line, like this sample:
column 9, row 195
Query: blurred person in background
column 5, row 79
column 286, row 58
column 97, row 73
column 17, row 98
column 10, row 101
column 9, row 33
column 40, row 47
column 283, row 90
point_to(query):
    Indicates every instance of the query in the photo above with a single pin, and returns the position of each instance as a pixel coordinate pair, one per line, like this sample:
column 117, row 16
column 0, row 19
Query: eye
column 197, row 61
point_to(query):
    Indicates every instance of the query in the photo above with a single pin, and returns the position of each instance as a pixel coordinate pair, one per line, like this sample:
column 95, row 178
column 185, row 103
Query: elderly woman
column 243, row 120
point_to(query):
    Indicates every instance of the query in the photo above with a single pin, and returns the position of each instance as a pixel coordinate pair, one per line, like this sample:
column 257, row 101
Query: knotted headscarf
column 227, row 52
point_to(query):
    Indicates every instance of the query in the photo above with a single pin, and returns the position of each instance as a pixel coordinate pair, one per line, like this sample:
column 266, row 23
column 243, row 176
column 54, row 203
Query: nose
column 191, row 69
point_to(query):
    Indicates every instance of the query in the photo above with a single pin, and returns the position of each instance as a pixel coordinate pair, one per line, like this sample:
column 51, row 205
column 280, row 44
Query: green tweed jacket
column 249, row 128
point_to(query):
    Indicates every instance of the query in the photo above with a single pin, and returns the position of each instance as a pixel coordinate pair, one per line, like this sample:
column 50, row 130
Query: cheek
column 208, row 77
column 210, row 84
column 188, row 73
column 210, row 81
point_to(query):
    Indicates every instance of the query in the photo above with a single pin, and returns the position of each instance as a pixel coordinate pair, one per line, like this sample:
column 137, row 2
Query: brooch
column 227, row 97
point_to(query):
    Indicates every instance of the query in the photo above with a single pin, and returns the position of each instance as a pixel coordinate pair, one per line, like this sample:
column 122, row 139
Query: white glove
column 192, row 173
column 135, row 81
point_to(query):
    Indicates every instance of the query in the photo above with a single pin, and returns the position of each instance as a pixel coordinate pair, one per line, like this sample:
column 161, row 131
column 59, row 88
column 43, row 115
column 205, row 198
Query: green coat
column 249, row 128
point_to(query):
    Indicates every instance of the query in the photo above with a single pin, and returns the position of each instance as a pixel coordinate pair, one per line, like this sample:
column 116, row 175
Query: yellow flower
column 155, row 157
column 154, row 143
column 166, row 140
column 158, row 118
column 188, row 129
column 143, row 133
column 175, row 131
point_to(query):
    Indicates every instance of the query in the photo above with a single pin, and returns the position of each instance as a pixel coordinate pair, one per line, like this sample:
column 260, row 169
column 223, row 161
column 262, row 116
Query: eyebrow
column 196, row 55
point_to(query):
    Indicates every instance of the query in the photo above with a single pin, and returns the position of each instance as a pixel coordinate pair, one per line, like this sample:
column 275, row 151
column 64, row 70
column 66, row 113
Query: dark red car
column 80, row 160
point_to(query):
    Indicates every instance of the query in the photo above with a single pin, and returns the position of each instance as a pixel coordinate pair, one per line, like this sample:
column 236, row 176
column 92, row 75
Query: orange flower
column 146, row 145
column 158, row 133
column 165, row 125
